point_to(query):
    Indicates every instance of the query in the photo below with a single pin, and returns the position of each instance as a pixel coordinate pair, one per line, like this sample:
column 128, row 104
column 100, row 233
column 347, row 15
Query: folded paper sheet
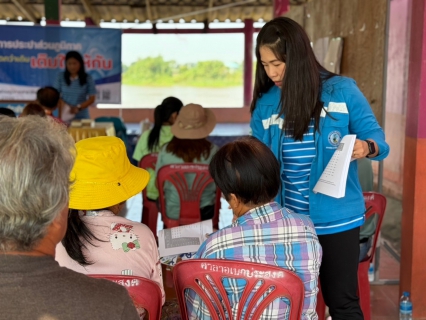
column 333, row 180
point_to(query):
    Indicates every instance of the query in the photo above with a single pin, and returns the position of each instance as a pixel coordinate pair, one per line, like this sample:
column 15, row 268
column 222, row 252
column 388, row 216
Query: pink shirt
column 129, row 248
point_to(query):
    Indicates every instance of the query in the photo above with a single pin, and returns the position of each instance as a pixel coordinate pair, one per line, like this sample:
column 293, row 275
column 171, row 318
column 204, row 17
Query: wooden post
column 248, row 61
column 413, row 235
column 280, row 7
column 52, row 12
column 89, row 22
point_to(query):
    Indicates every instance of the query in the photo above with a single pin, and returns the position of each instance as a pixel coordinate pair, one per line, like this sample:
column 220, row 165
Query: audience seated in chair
column 152, row 140
column 48, row 98
column 7, row 112
column 189, row 145
column 263, row 284
column 36, row 157
column 145, row 293
column 33, row 109
column 248, row 174
column 98, row 240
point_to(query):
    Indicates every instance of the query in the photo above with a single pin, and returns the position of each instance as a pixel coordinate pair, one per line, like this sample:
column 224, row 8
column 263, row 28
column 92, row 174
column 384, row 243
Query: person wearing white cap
column 189, row 145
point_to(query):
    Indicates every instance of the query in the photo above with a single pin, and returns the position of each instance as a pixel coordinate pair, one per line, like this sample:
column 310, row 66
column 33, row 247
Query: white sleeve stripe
column 273, row 120
column 339, row 107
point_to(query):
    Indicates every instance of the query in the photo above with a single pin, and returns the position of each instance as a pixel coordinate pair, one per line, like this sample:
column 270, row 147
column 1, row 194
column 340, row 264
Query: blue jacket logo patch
column 334, row 138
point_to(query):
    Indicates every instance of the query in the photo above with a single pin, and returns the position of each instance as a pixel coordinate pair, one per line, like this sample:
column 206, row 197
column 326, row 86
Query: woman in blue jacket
column 302, row 111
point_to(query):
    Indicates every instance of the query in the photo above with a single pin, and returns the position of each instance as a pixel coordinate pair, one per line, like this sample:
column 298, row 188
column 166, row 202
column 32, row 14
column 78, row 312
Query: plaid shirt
column 269, row 235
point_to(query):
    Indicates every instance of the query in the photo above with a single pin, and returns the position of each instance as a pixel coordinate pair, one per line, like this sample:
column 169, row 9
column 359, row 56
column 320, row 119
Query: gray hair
column 36, row 158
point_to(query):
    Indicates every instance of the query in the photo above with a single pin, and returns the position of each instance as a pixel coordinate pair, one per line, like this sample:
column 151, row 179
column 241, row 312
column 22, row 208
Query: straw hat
column 193, row 122
column 103, row 175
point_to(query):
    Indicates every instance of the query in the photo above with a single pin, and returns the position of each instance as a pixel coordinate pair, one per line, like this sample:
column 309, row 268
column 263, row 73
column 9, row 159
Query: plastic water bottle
column 371, row 272
column 405, row 307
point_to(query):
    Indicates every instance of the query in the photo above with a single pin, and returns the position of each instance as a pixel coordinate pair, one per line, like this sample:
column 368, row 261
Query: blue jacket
column 351, row 115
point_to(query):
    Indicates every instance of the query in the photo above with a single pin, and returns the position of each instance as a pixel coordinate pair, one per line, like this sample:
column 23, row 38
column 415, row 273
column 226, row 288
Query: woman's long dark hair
column 190, row 150
column 82, row 75
column 76, row 237
column 303, row 76
column 162, row 114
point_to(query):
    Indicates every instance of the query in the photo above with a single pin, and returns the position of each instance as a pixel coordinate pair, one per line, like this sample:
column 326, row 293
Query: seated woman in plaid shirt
column 248, row 175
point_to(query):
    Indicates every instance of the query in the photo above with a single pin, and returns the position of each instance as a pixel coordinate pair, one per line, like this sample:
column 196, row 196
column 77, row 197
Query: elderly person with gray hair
column 36, row 158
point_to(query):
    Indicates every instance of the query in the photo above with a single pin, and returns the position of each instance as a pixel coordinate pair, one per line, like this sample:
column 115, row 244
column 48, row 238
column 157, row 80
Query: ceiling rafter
column 209, row 18
column 91, row 11
column 148, row 10
column 196, row 12
column 143, row 10
column 26, row 11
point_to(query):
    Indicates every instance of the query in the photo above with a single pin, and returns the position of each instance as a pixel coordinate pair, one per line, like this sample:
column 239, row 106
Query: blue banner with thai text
column 32, row 57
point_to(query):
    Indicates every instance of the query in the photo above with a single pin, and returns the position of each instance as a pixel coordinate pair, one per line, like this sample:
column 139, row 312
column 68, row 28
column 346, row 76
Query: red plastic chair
column 189, row 274
column 377, row 204
column 149, row 209
column 145, row 293
column 190, row 196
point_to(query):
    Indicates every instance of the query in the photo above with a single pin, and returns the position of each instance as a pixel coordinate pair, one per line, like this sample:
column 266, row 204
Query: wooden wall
column 361, row 23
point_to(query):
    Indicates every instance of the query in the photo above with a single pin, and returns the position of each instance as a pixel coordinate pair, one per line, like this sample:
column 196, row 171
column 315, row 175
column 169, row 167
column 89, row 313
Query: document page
column 183, row 239
column 333, row 180
column 67, row 116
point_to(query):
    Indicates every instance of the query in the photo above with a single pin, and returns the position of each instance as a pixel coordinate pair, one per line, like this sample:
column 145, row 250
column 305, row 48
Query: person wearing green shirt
column 189, row 145
column 152, row 140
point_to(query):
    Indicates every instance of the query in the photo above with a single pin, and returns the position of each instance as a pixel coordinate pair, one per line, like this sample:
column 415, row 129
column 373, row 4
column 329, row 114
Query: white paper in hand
column 333, row 180
column 66, row 115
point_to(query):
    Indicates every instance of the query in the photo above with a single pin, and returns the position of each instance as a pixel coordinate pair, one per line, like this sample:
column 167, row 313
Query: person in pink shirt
column 98, row 240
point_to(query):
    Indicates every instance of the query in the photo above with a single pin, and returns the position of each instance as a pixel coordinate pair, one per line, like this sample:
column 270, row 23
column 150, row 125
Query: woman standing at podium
column 76, row 87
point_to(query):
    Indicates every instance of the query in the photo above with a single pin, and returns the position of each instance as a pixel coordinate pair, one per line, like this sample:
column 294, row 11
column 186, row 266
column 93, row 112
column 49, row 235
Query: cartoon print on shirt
column 122, row 237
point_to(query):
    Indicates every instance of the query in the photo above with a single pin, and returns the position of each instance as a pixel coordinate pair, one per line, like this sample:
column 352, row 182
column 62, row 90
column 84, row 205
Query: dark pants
column 339, row 274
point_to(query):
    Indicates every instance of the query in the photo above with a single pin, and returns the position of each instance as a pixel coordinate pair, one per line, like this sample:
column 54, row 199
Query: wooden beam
column 26, row 11
column 209, row 17
column 91, row 12
column 194, row 13
column 413, row 237
column 248, row 61
column 148, row 10
column 186, row 31
column 130, row 115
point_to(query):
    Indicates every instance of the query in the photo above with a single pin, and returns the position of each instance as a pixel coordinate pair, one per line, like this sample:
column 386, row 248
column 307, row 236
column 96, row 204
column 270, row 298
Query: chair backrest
column 119, row 126
column 204, row 277
column 377, row 204
column 149, row 208
column 145, row 293
column 148, row 161
column 189, row 195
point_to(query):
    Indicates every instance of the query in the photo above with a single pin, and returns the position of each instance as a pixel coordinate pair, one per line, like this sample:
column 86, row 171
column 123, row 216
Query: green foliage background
column 155, row 71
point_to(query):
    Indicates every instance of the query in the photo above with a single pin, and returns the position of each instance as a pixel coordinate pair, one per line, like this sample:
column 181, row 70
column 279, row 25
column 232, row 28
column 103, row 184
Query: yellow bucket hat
column 103, row 175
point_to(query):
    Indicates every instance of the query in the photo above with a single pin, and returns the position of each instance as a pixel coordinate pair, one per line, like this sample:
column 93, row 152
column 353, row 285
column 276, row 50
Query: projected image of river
column 150, row 97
